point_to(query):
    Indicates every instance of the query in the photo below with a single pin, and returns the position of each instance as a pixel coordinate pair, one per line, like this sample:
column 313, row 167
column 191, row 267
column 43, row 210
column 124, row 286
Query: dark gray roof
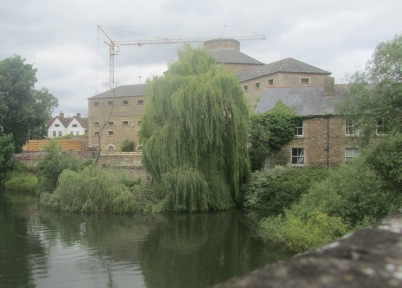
column 231, row 56
column 122, row 91
column 305, row 101
column 288, row 65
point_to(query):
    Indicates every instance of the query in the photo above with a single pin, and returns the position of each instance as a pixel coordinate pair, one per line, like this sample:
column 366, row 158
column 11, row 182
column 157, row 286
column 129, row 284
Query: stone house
column 61, row 126
column 321, row 138
column 114, row 116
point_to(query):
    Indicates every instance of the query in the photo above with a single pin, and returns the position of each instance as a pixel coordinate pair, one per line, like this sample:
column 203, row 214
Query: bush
column 276, row 189
column 299, row 234
column 22, row 183
column 50, row 168
column 90, row 190
column 127, row 146
column 353, row 192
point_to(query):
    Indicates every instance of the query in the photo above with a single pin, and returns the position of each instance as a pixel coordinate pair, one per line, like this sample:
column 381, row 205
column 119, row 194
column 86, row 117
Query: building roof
column 305, row 101
column 231, row 56
column 67, row 121
column 122, row 91
column 288, row 65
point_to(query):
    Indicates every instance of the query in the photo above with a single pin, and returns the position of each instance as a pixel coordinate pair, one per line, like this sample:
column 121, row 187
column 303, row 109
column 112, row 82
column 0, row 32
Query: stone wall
column 324, row 142
column 371, row 258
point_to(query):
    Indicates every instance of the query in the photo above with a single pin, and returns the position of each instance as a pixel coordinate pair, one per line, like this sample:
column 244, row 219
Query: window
column 96, row 103
column 139, row 122
column 381, row 127
column 56, row 125
column 351, row 127
column 96, row 134
column 71, row 132
column 257, row 85
column 299, row 127
column 297, row 156
column 125, row 102
column 351, row 153
column 110, row 102
column 75, row 125
column 125, row 122
column 54, row 133
column 60, row 133
column 245, row 87
column 140, row 102
column 110, row 133
column 110, row 123
column 270, row 82
column 96, row 123
column 305, row 81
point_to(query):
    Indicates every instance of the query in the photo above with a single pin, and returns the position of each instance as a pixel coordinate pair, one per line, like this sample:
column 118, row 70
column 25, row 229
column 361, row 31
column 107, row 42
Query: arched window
column 111, row 147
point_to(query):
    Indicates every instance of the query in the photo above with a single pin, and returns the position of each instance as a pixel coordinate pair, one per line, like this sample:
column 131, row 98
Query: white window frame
column 351, row 128
column 299, row 128
column 298, row 158
column 351, row 154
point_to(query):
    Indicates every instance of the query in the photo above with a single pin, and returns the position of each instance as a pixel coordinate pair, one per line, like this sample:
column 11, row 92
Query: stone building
column 321, row 138
column 115, row 116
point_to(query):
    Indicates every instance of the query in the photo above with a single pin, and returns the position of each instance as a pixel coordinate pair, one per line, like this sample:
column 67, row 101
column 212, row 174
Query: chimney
column 61, row 115
column 78, row 115
column 329, row 86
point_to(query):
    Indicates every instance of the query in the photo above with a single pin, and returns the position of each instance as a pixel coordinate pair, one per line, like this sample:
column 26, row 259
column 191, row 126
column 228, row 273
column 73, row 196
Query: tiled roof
column 231, row 56
column 288, row 65
column 122, row 91
column 305, row 101
column 66, row 121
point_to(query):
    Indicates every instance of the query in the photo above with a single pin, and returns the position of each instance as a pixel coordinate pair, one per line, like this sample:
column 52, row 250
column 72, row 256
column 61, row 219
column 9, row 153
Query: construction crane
column 114, row 46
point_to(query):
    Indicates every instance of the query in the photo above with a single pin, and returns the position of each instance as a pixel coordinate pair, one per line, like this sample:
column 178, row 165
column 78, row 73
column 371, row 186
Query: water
column 42, row 248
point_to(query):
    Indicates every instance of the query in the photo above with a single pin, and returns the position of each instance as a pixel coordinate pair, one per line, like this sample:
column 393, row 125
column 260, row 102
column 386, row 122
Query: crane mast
column 114, row 46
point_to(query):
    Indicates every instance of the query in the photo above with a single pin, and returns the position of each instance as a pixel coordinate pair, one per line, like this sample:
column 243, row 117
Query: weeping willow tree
column 195, row 134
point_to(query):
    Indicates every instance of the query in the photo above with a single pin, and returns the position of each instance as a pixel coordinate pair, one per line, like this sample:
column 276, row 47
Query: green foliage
column 300, row 234
column 376, row 94
column 276, row 189
column 6, row 156
column 90, row 190
column 351, row 197
column 385, row 157
column 22, row 183
column 195, row 128
column 353, row 192
column 127, row 146
column 53, row 165
column 24, row 111
column 269, row 132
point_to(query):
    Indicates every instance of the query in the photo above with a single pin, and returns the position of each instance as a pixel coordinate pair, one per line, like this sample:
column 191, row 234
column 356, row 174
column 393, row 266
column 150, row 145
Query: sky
column 62, row 40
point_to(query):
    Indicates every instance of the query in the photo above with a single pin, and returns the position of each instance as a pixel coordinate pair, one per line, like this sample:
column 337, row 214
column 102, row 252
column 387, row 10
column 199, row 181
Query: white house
column 61, row 126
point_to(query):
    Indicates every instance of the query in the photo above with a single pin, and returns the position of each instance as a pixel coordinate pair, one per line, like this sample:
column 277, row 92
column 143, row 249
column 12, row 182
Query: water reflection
column 42, row 248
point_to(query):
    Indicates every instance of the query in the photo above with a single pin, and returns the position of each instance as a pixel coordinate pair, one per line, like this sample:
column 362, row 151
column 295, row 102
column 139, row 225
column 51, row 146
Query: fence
column 79, row 145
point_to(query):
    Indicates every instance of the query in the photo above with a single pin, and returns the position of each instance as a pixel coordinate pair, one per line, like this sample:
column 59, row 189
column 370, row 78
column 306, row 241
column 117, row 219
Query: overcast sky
column 60, row 37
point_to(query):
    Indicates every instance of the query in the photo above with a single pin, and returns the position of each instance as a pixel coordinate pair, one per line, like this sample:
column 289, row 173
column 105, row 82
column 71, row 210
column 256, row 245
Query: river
column 43, row 248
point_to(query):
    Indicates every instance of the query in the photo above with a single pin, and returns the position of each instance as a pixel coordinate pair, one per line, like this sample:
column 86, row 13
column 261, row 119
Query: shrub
column 90, row 190
column 50, row 168
column 22, row 183
column 127, row 146
column 299, row 234
column 276, row 189
column 353, row 192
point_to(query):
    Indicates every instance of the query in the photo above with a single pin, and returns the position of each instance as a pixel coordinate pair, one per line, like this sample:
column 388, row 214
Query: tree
column 195, row 134
column 6, row 156
column 24, row 111
column 269, row 132
column 375, row 96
